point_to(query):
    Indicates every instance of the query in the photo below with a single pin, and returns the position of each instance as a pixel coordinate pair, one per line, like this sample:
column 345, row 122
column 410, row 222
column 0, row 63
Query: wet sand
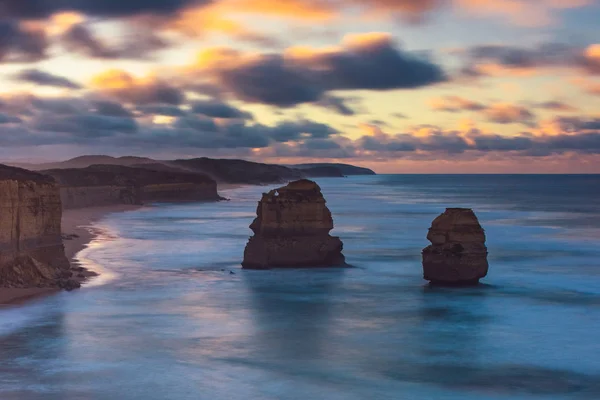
column 77, row 234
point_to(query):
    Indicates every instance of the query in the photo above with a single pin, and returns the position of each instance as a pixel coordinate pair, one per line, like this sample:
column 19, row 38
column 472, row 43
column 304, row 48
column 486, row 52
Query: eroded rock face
column 102, row 185
column 31, row 248
column 457, row 254
column 292, row 230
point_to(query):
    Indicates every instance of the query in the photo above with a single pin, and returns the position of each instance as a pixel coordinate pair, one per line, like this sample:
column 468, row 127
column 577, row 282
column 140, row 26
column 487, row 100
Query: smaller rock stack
column 292, row 230
column 457, row 254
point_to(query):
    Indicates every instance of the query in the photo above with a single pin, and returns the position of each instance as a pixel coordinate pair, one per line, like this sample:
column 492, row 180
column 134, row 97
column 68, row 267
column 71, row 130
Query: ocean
column 168, row 320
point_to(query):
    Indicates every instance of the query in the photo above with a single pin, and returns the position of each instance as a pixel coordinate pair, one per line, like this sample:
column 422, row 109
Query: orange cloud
column 454, row 104
column 522, row 12
column 130, row 89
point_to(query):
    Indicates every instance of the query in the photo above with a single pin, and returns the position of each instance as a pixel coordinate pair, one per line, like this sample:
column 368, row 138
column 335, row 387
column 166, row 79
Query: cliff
column 31, row 248
column 345, row 169
column 291, row 229
column 101, row 185
column 457, row 254
column 322, row 172
column 239, row 171
column 222, row 170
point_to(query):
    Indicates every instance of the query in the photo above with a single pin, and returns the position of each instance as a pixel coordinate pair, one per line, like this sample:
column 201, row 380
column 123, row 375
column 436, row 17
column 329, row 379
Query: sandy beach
column 76, row 224
column 77, row 234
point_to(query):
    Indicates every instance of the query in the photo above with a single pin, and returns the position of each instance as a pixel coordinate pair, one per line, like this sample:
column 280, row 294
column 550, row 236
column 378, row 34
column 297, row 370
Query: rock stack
column 31, row 248
column 457, row 254
column 292, row 230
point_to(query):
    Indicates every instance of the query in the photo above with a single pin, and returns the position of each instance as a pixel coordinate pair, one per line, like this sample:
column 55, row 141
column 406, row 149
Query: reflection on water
column 175, row 324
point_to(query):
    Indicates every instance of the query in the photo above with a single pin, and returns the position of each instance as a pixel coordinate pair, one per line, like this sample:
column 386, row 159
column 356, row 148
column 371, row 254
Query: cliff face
column 344, row 169
column 239, row 171
column 292, row 230
column 457, row 254
column 31, row 248
column 100, row 185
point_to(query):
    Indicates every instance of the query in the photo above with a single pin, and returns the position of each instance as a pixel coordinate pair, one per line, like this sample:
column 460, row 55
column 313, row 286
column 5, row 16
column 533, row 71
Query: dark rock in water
column 457, row 254
column 69, row 284
column 292, row 230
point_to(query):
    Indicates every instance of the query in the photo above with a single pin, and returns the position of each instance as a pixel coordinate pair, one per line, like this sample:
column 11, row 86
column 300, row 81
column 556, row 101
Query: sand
column 76, row 226
column 77, row 234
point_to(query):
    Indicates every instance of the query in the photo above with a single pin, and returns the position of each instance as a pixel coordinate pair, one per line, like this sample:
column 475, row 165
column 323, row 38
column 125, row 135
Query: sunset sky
column 396, row 85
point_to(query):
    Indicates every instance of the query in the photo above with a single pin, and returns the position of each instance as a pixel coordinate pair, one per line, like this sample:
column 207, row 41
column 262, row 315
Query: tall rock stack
column 292, row 230
column 31, row 248
column 457, row 254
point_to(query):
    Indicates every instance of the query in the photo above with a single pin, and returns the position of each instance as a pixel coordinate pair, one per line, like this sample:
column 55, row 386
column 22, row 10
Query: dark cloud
column 46, row 79
column 367, row 62
column 501, row 143
column 555, row 105
column 336, row 104
column 294, row 130
column 545, row 55
column 142, row 44
column 161, row 109
column 18, row 44
column 85, row 125
column 38, row 9
column 217, row 109
column 9, row 119
column 110, row 108
column 455, row 104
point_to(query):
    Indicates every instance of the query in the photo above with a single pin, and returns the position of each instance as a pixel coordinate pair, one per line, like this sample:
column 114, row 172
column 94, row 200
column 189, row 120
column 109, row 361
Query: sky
column 407, row 86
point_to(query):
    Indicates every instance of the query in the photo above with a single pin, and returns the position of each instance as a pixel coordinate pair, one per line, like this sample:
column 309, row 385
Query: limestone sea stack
column 457, row 254
column 31, row 248
column 291, row 229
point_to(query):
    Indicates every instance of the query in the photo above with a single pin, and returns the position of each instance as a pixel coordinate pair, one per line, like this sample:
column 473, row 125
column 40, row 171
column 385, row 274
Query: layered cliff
column 344, row 169
column 31, row 248
column 239, row 171
column 101, row 185
column 291, row 229
column 457, row 254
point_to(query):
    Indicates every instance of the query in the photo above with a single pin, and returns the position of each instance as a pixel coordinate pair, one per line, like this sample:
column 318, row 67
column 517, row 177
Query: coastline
column 76, row 237
column 75, row 227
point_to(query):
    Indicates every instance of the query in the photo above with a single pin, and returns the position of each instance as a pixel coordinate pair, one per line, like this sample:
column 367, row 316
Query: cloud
column 336, row 104
column 501, row 113
column 42, row 78
column 555, row 105
column 9, row 119
column 129, row 89
column 142, row 44
column 454, row 104
column 110, row 108
column 504, row 113
column 304, row 75
column 21, row 44
column 522, row 12
column 36, row 9
column 217, row 109
column 589, row 86
column 161, row 109
column 499, row 60
column 294, row 130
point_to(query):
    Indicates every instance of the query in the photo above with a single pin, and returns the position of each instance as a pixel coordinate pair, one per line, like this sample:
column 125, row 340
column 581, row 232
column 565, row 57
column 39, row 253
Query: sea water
column 175, row 317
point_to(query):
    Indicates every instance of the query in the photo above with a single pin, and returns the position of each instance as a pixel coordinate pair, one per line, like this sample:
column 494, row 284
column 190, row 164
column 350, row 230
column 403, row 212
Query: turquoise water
column 167, row 319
